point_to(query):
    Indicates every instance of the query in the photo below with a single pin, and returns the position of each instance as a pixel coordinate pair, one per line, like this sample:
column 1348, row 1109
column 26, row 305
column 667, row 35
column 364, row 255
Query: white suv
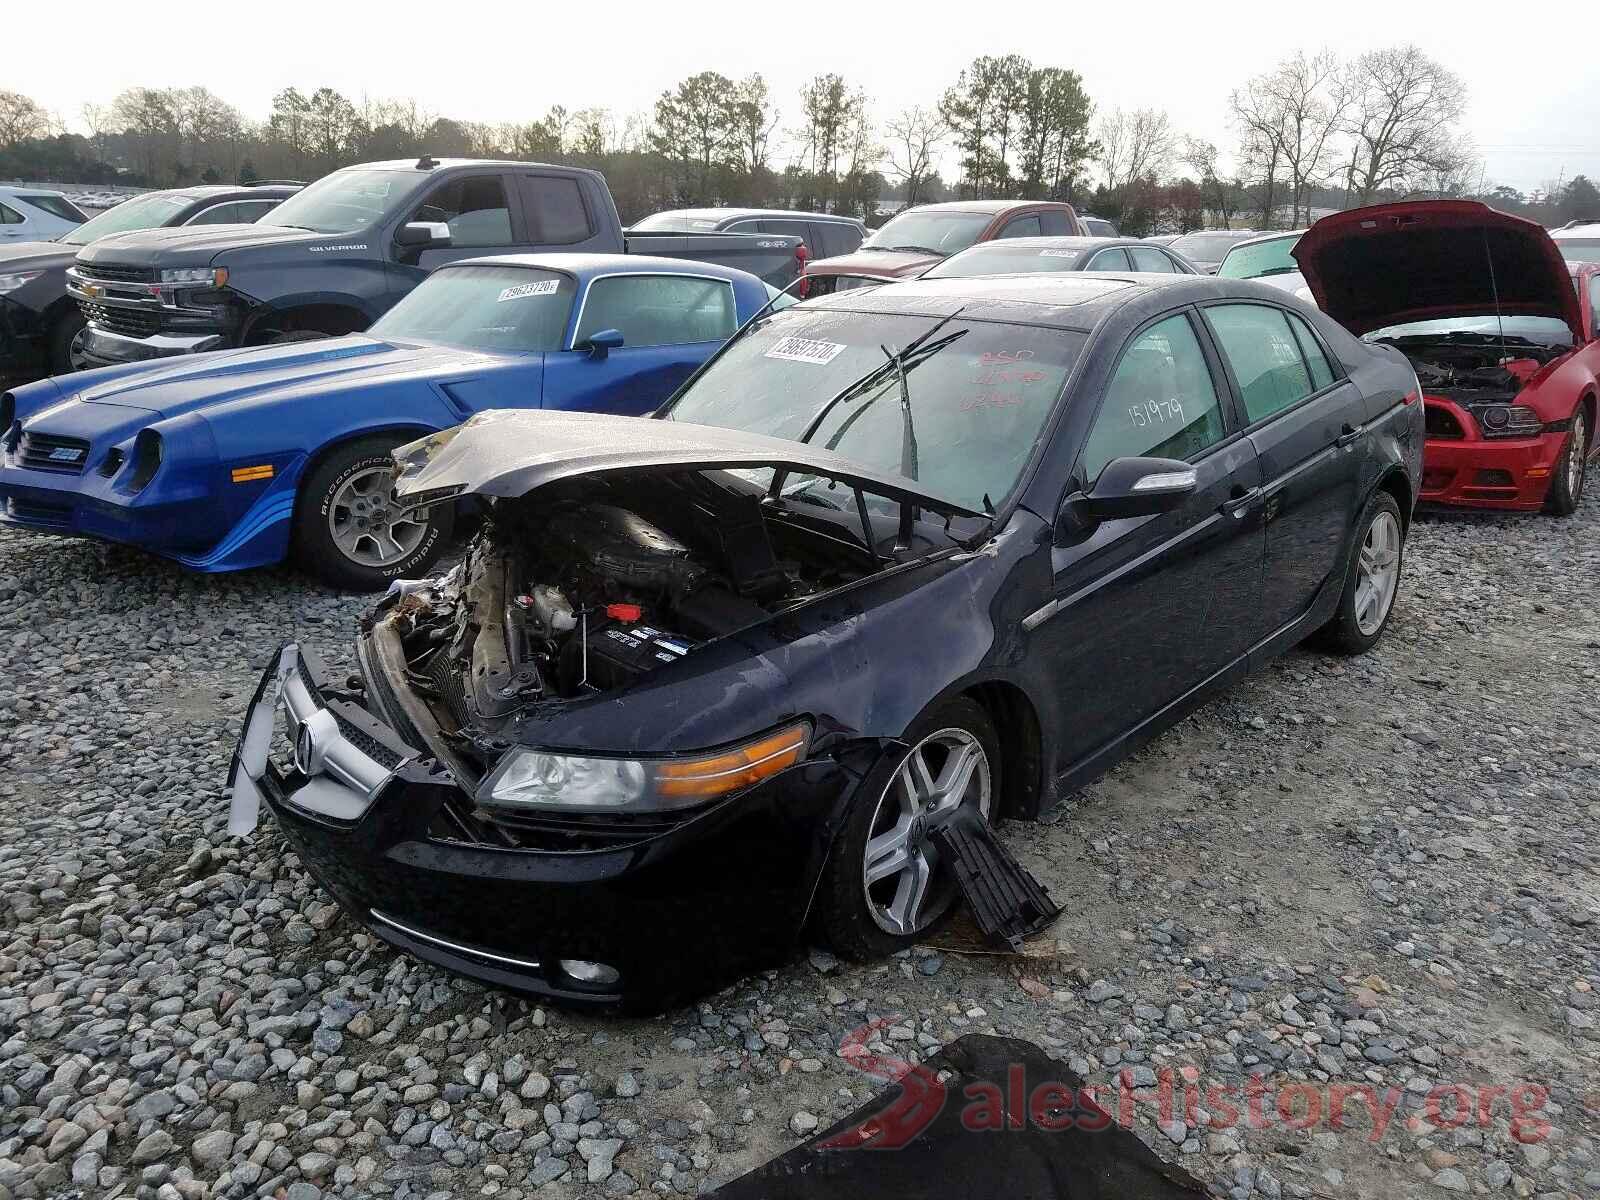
column 35, row 215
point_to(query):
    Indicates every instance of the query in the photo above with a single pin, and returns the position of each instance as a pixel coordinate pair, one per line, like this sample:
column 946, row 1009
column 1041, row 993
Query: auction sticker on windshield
column 545, row 287
column 1057, row 253
column 806, row 350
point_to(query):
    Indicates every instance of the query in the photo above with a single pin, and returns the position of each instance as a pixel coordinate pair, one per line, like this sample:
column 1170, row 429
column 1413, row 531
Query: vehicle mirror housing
column 422, row 235
column 602, row 342
column 1127, row 487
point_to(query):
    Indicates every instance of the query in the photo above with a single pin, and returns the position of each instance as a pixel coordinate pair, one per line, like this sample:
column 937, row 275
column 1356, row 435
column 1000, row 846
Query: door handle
column 1240, row 503
column 1347, row 437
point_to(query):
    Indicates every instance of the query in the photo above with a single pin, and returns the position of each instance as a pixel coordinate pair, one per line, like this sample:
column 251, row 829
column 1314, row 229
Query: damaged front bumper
column 632, row 921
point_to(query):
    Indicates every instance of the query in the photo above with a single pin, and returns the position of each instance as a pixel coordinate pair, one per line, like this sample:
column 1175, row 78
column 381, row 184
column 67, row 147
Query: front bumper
column 1473, row 471
column 673, row 914
column 104, row 348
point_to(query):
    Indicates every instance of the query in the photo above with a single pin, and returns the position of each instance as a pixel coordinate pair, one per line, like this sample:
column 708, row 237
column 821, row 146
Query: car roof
column 240, row 191
column 1254, row 239
column 989, row 207
column 22, row 189
column 1064, row 242
column 584, row 267
column 1588, row 229
column 728, row 214
column 1074, row 300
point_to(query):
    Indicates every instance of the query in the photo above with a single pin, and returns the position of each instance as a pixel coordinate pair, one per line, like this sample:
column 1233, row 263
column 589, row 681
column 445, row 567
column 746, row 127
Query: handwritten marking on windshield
column 1153, row 412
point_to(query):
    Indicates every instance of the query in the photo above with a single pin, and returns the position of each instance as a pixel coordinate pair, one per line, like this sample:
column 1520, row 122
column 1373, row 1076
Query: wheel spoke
column 911, row 891
column 887, row 853
column 1366, row 600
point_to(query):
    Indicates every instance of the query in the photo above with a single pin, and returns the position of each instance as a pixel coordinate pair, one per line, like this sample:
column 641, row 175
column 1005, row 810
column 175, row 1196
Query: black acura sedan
column 705, row 682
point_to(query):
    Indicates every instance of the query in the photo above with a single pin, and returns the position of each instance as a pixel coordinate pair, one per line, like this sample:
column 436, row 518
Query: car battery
column 618, row 652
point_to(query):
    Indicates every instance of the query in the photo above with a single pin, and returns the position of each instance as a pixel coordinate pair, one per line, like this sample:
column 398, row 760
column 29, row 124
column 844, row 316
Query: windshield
column 675, row 221
column 1579, row 249
column 1012, row 256
column 345, row 201
column 930, row 232
column 1546, row 331
column 1203, row 247
column 142, row 212
column 484, row 308
column 980, row 393
column 1263, row 258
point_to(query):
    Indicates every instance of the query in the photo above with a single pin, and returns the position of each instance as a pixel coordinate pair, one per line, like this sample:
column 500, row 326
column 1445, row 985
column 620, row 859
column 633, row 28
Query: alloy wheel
column 906, row 886
column 1577, row 450
column 1378, row 573
column 367, row 524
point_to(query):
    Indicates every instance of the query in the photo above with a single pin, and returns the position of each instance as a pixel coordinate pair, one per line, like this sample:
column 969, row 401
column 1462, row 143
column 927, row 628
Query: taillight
column 801, row 256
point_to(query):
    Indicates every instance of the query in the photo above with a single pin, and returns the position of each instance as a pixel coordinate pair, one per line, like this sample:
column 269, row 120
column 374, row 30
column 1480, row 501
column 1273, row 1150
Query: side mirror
column 1127, row 487
column 602, row 342
column 422, row 235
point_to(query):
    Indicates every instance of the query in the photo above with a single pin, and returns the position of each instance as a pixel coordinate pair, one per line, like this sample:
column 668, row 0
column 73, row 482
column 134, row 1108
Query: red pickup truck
column 919, row 237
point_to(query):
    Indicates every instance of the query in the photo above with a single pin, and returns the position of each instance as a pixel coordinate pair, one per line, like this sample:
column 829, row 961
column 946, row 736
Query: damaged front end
column 1479, row 375
column 590, row 753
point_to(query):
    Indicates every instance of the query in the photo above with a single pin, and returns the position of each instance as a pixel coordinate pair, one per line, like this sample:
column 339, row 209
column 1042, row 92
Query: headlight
column 213, row 277
column 540, row 779
column 1508, row 420
column 15, row 279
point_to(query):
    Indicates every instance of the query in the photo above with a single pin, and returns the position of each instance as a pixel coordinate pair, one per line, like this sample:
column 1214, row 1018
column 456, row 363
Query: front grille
column 46, row 452
column 130, row 322
column 112, row 273
column 366, row 743
column 1442, row 424
column 39, row 514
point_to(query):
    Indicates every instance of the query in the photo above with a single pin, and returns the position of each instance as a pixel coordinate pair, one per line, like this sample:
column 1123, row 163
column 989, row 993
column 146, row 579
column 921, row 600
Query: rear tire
column 62, row 335
column 853, row 915
column 1371, row 579
column 347, row 530
column 1572, row 468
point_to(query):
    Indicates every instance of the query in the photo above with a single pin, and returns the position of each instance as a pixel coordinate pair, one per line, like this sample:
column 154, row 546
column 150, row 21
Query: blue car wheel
column 348, row 529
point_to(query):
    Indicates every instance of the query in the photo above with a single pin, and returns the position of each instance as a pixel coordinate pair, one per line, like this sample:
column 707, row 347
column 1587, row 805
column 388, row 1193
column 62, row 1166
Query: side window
column 1053, row 223
column 840, row 237
column 9, row 216
column 1021, row 227
column 217, row 214
column 799, row 229
column 658, row 310
column 1594, row 301
column 1266, row 359
column 1160, row 401
column 474, row 208
column 1148, row 258
column 1108, row 260
column 1173, row 265
column 557, row 215
column 1321, row 371
column 251, row 211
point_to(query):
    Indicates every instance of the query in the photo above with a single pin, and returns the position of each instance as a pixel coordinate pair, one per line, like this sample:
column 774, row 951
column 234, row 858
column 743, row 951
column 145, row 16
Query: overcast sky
column 1535, row 113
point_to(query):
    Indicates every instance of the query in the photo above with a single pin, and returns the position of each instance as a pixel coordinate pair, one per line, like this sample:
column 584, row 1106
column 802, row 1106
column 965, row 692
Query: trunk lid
column 885, row 264
column 1423, row 260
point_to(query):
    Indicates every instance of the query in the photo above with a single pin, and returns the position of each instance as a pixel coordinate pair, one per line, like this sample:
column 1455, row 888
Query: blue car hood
column 288, row 371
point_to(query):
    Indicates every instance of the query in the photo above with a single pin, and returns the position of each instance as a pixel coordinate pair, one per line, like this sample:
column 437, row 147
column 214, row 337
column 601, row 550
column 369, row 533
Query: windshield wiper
column 908, row 431
column 894, row 362
column 1276, row 271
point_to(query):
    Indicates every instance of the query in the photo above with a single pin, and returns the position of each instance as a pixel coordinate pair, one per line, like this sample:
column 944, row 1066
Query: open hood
column 1423, row 260
column 510, row 452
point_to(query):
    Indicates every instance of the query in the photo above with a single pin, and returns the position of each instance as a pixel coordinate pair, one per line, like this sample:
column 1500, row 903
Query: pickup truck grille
column 47, row 452
column 112, row 273
column 116, row 319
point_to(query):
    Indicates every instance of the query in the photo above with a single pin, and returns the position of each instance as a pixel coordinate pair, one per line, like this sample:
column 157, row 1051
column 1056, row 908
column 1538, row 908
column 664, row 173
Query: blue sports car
column 238, row 459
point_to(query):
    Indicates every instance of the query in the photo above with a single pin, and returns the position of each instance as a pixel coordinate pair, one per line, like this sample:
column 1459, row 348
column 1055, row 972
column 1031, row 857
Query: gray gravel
column 1373, row 871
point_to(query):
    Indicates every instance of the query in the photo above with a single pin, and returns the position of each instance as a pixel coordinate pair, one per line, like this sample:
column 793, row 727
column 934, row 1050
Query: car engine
column 1482, row 371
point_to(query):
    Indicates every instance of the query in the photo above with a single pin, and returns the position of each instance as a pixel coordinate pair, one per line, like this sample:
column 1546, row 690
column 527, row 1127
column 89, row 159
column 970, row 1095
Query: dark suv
column 39, row 322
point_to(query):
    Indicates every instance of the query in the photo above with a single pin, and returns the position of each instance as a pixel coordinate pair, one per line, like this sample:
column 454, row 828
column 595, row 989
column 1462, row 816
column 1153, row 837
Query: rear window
column 56, row 206
column 838, row 237
column 556, row 212
column 1204, row 247
column 1263, row 258
column 1579, row 249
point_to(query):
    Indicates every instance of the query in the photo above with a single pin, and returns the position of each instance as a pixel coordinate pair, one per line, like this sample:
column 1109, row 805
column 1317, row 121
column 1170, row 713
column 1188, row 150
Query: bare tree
column 1134, row 146
column 915, row 137
column 755, row 121
column 1404, row 109
column 20, row 119
column 1219, row 195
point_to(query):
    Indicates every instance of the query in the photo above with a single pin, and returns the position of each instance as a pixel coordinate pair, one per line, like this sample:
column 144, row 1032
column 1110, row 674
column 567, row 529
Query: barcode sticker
column 545, row 287
column 806, row 350
column 1058, row 253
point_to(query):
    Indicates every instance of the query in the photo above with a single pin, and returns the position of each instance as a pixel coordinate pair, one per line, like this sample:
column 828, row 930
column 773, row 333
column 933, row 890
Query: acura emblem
column 312, row 738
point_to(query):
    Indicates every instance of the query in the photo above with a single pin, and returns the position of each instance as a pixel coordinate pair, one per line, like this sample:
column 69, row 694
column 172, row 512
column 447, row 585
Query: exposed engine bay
column 596, row 583
column 1475, row 369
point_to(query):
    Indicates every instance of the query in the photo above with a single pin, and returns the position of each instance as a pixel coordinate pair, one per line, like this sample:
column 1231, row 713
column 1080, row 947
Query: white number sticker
column 545, row 287
column 1059, row 253
column 806, row 350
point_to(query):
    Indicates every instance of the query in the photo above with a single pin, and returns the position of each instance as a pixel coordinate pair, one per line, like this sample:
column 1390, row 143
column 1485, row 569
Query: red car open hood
column 1422, row 260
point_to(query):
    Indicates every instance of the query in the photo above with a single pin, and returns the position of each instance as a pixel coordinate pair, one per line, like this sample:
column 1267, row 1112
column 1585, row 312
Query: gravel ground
column 1368, row 872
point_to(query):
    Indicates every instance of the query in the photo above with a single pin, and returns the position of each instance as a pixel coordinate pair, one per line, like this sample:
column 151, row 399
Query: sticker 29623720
column 544, row 287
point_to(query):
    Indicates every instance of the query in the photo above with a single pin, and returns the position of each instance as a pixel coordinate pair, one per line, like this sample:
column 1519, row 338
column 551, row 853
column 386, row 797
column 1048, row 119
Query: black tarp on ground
column 940, row 1156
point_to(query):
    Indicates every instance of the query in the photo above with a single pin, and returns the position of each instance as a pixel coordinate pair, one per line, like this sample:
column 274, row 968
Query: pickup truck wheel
column 884, row 886
column 349, row 531
column 1566, row 488
column 64, row 353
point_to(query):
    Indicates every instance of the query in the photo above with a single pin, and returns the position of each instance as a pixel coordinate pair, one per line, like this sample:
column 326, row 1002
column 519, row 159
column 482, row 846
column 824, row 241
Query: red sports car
column 1500, row 329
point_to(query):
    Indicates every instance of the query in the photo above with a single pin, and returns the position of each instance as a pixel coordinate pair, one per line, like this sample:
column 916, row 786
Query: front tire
column 1371, row 581
column 884, row 887
column 348, row 530
column 1566, row 489
column 64, row 355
